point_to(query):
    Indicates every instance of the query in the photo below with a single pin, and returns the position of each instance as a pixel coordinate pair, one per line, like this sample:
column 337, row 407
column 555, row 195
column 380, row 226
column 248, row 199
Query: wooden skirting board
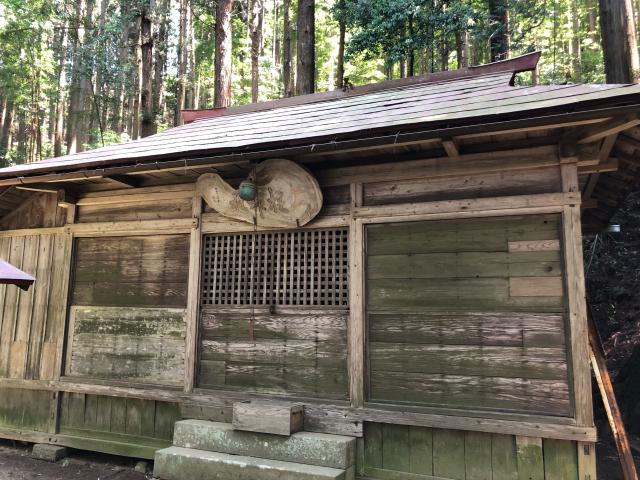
column 337, row 418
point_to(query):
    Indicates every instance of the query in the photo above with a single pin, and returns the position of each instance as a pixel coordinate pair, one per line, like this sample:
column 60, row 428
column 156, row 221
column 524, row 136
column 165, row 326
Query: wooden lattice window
column 307, row 267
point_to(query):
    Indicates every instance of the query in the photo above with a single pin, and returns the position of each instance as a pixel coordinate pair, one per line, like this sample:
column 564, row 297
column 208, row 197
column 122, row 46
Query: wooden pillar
column 193, row 296
column 577, row 322
column 356, row 326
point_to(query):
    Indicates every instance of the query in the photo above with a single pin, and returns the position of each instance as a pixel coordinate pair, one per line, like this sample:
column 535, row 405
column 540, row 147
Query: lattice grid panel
column 308, row 267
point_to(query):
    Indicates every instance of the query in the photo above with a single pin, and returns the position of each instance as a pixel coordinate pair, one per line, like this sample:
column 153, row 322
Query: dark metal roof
column 10, row 275
column 431, row 105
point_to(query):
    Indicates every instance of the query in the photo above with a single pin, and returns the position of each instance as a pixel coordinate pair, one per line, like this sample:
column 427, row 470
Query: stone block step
column 178, row 463
column 334, row 451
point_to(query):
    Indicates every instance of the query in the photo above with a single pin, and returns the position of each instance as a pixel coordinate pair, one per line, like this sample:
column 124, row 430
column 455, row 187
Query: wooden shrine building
column 409, row 278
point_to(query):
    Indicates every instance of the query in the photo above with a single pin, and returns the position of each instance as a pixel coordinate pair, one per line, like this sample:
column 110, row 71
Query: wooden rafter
column 125, row 180
column 612, row 127
column 451, row 147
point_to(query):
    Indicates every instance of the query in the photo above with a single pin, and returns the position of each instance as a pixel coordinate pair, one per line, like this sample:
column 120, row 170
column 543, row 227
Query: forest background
column 79, row 74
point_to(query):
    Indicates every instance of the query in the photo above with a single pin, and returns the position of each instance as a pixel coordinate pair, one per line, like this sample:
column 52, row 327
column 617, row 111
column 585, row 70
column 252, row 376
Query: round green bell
column 247, row 190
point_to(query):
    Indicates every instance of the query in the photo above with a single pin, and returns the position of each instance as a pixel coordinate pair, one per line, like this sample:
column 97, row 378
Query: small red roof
column 10, row 275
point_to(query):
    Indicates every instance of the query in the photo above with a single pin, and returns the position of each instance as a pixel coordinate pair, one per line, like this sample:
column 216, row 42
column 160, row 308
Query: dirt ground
column 17, row 464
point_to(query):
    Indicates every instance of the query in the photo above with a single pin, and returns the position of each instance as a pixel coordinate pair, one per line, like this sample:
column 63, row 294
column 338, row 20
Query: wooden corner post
column 193, row 295
column 577, row 321
column 356, row 325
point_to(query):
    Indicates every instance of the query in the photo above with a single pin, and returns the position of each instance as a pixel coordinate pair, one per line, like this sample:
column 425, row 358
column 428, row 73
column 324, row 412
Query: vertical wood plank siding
column 394, row 452
column 31, row 322
column 25, row 409
column 126, row 426
column 457, row 317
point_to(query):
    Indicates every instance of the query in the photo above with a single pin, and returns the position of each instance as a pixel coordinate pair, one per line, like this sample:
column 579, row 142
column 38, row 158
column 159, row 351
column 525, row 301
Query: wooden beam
column 590, row 185
column 136, row 227
column 451, row 147
column 118, row 199
column 599, row 365
column 125, row 180
column 476, row 204
column 575, row 292
column 605, row 151
column 356, row 326
column 610, row 166
column 37, row 188
column 193, row 295
column 607, row 146
column 331, row 418
column 25, row 232
column 614, row 126
column 65, row 200
column 216, row 223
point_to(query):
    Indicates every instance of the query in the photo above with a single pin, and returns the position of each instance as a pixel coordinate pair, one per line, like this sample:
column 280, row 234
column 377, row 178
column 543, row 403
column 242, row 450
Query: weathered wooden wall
column 40, row 210
column 32, row 322
column 465, row 336
column 287, row 350
column 128, row 306
column 393, row 452
column 468, row 314
column 124, row 426
column 22, row 409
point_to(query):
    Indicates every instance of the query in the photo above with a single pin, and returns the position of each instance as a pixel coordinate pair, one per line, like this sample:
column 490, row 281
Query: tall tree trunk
column 306, row 51
column 7, row 129
column 276, row 34
column 257, row 13
column 57, row 132
column 462, row 48
column 286, row 49
column 78, row 90
column 119, row 120
column 148, row 122
column 222, row 63
column 193, row 91
column 342, row 29
column 444, row 52
column 620, row 47
column 411, row 59
column 21, row 137
column 591, row 15
column 182, row 60
column 160, row 51
column 499, row 41
column 576, row 53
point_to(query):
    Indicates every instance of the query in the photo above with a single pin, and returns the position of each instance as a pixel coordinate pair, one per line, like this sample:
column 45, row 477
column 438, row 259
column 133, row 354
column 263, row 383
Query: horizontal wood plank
column 535, row 246
column 535, row 286
column 144, row 345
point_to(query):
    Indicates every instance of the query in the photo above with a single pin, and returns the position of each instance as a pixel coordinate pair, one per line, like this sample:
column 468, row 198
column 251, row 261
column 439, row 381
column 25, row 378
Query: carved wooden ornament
column 288, row 195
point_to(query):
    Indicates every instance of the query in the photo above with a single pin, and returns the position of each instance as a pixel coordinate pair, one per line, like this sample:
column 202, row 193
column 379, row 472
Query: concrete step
column 334, row 451
column 178, row 463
